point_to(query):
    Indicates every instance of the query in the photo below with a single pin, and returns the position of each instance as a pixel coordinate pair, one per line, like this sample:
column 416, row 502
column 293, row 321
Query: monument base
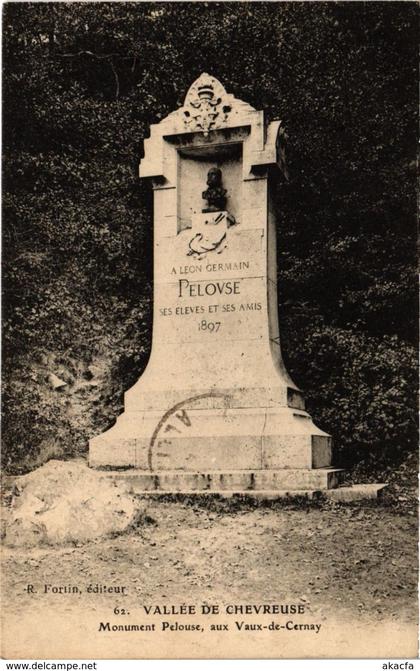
column 262, row 453
column 259, row 484
column 205, row 440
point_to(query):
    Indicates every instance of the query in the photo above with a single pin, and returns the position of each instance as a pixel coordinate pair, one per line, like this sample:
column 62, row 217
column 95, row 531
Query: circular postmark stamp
column 176, row 421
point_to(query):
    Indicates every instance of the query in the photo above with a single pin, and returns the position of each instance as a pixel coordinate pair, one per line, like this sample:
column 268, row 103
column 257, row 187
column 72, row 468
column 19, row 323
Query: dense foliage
column 82, row 83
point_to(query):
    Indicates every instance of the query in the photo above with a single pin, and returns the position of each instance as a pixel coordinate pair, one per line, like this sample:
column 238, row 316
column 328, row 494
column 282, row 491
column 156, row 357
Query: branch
column 99, row 57
column 117, row 81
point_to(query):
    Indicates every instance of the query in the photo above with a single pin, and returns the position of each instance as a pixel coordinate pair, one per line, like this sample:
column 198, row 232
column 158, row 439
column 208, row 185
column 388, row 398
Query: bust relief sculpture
column 215, row 194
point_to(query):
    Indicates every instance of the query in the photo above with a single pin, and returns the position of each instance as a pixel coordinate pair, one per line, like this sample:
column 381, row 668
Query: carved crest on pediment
column 208, row 106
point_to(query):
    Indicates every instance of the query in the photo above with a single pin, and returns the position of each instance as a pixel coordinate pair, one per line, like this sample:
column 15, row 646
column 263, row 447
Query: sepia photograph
column 209, row 330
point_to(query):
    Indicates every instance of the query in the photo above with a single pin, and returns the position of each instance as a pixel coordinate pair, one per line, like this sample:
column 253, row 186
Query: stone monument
column 215, row 409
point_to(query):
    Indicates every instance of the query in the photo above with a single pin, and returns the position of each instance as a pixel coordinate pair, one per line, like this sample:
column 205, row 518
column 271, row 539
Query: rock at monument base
column 66, row 501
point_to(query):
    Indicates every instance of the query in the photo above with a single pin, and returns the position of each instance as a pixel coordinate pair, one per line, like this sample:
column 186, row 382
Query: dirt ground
column 357, row 561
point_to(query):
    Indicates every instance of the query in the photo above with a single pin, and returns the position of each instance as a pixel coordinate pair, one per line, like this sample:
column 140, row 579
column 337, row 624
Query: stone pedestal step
column 356, row 492
column 254, row 495
column 296, row 480
column 352, row 493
